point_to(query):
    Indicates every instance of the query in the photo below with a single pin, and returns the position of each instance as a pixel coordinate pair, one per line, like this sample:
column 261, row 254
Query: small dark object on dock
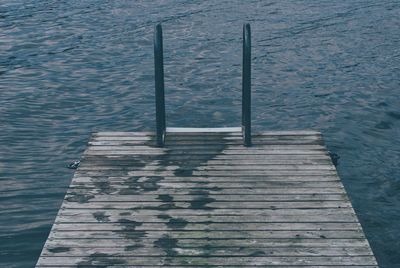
column 335, row 158
column 74, row 165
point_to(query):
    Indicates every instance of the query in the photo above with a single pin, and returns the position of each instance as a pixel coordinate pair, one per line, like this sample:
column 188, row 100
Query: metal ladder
column 162, row 130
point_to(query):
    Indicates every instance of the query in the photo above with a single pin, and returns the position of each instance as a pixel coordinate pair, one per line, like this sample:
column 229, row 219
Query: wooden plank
column 219, row 179
column 220, row 140
column 126, row 190
column 201, row 191
column 78, row 196
column 209, row 204
column 154, row 234
column 150, row 250
column 203, row 147
column 206, row 143
column 212, row 150
column 226, row 186
column 197, row 157
column 206, row 200
column 211, row 243
column 205, row 180
column 210, row 167
column 176, row 224
column 239, row 134
column 210, row 212
column 172, row 141
column 171, row 160
column 93, row 216
column 207, row 173
column 196, row 266
column 155, row 152
column 203, row 261
column 143, row 184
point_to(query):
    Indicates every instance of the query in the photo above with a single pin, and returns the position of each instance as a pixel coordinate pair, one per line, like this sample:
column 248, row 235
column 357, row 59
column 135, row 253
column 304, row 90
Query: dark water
column 68, row 68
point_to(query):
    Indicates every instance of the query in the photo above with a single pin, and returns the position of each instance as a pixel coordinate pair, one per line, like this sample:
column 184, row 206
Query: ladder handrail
column 159, row 86
column 246, row 85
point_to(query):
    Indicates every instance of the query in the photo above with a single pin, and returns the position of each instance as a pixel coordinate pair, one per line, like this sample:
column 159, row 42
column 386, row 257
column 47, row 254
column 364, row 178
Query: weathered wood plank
column 206, row 173
column 96, row 216
column 239, row 134
column 204, row 147
column 164, row 152
column 204, row 211
column 208, row 168
column 194, row 157
column 198, row 191
column 131, row 233
column 208, row 203
column 170, row 163
column 219, row 179
column 207, row 216
column 207, row 143
column 201, row 261
column 150, row 250
column 105, row 197
column 177, row 224
column 211, row 243
column 190, row 266
column 217, row 140
column 201, row 191
column 141, row 184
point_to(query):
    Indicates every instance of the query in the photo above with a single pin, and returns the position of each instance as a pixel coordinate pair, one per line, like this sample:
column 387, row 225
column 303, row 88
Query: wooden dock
column 205, row 200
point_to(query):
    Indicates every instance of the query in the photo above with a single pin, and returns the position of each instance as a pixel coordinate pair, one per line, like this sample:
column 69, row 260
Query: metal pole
column 246, row 86
column 159, row 85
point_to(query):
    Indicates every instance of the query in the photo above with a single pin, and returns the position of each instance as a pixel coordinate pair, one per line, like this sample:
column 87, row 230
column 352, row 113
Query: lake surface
column 68, row 68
